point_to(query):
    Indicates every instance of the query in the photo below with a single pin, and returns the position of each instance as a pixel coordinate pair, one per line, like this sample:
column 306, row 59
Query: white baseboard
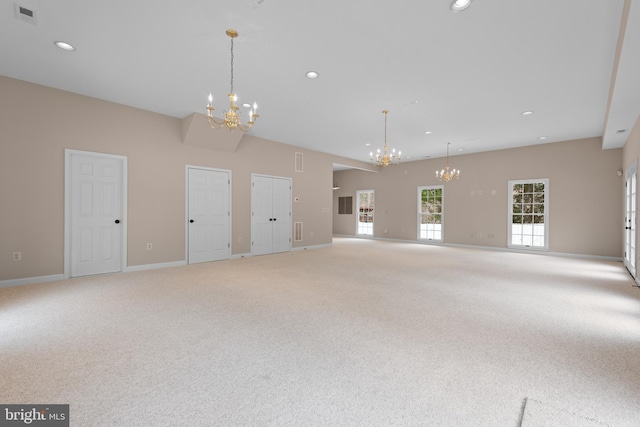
column 238, row 256
column 302, row 248
column 55, row 277
column 30, row 280
column 493, row 248
column 155, row 266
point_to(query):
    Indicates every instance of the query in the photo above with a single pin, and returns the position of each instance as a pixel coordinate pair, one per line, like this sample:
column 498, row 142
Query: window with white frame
column 528, row 214
column 365, row 199
column 430, row 213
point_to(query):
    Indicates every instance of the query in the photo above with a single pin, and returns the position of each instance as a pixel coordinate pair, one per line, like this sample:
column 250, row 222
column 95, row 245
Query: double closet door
column 270, row 214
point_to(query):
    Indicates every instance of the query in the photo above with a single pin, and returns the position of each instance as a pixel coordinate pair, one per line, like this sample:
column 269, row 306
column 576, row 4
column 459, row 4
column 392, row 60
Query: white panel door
column 261, row 215
column 208, row 215
column 96, row 213
column 270, row 214
column 631, row 197
column 281, row 215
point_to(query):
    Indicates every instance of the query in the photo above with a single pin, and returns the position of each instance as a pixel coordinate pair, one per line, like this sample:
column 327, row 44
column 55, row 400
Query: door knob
column 190, row 220
column 117, row 221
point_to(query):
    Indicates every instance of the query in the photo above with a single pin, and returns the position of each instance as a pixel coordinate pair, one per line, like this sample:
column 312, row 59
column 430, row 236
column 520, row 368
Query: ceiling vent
column 24, row 14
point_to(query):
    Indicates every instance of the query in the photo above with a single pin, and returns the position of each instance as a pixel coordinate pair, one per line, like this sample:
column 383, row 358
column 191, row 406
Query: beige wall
column 38, row 123
column 584, row 207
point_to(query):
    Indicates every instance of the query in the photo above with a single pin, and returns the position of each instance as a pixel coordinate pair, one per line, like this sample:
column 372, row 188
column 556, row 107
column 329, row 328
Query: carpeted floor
column 363, row 333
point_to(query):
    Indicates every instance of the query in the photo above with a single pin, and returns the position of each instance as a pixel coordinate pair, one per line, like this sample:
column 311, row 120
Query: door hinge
column 228, row 245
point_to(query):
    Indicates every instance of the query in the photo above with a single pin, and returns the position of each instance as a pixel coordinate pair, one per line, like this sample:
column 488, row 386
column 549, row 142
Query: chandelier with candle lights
column 383, row 158
column 447, row 174
column 231, row 117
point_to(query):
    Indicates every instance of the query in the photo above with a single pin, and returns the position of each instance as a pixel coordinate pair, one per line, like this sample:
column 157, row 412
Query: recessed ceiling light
column 367, row 144
column 246, row 105
column 64, row 45
column 460, row 150
column 527, row 113
column 459, row 5
column 542, row 138
column 428, row 132
column 312, row 74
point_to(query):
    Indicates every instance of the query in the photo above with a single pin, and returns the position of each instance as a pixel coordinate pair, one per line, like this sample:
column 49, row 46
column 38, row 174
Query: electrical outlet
column 149, row 246
column 17, row 256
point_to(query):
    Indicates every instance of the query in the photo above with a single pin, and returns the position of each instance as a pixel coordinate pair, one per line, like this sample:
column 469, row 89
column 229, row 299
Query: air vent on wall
column 297, row 232
column 24, row 14
column 298, row 162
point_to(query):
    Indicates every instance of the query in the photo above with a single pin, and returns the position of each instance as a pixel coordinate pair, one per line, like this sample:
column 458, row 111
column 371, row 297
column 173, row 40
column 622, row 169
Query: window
column 528, row 207
column 345, row 205
column 430, row 213
column 365, row 212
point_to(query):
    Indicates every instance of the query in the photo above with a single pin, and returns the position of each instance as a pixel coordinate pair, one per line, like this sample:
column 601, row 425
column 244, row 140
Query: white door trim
column 630, row 235
column 186, row 206
column 67, row 206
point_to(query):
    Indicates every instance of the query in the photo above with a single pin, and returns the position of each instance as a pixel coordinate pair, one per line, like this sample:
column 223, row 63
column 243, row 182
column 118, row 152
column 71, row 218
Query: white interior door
column 95, row 213
column 281, row 215
column 209, row 215
column 631, row 197
column 270, row 214
column 261, row 218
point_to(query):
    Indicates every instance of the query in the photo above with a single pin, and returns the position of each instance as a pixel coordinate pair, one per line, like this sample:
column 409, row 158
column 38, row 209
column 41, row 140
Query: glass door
column 631, row 185
column 365, row 212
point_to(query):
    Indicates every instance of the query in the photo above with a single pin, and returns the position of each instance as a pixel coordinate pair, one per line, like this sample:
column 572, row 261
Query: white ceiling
column 466, row 77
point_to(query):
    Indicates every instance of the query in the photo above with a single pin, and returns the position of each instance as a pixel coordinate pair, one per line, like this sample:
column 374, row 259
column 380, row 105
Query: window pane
column 528, row 226
column 430, row 213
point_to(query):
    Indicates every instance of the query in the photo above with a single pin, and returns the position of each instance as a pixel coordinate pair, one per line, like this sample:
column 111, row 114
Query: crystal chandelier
column 231, row 118
column 385, row 159
column 445, row 174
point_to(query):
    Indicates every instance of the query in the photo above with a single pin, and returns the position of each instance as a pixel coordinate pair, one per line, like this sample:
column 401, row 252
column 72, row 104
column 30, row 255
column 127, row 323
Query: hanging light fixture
column 445, row 174
column 231, row 118
column 383, row 158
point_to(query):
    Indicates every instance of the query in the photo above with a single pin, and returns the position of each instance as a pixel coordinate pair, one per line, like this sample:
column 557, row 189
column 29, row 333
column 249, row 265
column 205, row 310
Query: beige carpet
column 539, row 414
column 363, row 333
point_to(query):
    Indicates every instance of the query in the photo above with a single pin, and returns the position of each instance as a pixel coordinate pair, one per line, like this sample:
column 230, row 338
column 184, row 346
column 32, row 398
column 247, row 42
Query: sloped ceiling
column 465, row 77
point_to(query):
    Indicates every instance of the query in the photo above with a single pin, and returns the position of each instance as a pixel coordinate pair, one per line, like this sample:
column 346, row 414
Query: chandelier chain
column 231, row 90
